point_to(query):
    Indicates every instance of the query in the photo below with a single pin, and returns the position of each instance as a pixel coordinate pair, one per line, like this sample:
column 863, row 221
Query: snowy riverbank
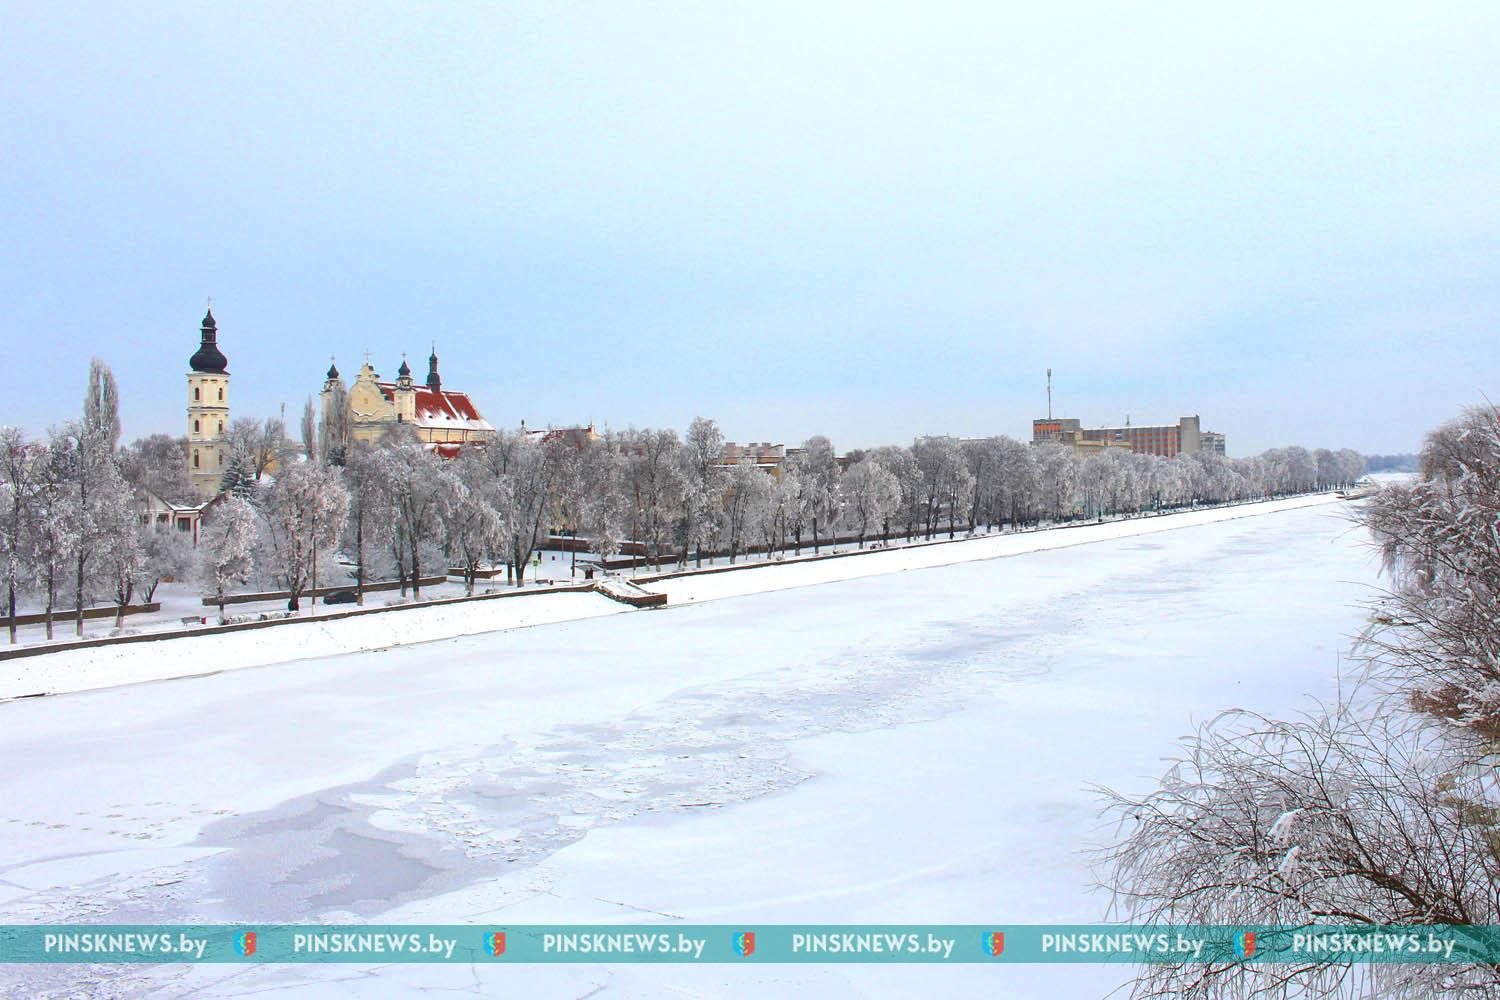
column 70, row 670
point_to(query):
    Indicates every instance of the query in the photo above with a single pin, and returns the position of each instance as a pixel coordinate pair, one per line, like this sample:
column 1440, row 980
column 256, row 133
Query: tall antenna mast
column 1049, row 393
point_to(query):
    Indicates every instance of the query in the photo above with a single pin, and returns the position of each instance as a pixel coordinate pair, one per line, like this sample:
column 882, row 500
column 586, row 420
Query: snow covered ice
column 910, row 747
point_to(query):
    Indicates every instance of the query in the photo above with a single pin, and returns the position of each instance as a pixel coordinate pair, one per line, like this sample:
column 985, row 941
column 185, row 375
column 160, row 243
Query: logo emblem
column 744, row 944
column 494, row 943
column 245, row 944
column 1244, row 944
column 994, row 944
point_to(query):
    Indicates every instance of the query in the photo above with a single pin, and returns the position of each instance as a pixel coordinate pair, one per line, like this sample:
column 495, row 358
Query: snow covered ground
column 181, row 601
column 908, row 747
column 67, row 670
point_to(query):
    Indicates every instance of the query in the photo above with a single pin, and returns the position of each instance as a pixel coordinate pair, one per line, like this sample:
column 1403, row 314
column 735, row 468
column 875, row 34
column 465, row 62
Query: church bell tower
column 207, row 411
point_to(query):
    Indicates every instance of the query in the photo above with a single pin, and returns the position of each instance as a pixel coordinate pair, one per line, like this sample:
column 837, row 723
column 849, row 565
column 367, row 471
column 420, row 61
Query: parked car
column 342, row 597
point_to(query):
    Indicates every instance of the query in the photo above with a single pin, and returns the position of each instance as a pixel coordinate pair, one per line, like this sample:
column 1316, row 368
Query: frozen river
column 916, row 747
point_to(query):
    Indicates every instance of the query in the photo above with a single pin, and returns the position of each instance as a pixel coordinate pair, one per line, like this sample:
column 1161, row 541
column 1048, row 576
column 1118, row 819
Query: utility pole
column 1049, row 393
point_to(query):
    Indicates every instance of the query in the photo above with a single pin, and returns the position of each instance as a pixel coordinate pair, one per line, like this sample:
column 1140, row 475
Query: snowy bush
column 1384, row 809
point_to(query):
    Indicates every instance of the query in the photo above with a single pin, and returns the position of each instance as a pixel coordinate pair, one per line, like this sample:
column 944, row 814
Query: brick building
column 1167, row 440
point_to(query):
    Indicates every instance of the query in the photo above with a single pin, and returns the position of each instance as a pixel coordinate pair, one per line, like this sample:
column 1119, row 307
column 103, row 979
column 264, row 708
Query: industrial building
column 1166, row 440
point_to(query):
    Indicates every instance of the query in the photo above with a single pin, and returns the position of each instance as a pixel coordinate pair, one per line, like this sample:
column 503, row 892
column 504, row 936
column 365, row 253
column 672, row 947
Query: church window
column 195, row 458
column 195, row 427
column 221, row 395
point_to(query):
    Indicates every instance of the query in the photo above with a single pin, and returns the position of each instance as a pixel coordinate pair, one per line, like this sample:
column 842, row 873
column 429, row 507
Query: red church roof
column 441, row 407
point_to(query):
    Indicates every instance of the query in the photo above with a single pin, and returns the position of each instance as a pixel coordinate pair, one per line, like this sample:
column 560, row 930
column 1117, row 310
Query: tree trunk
column 11, row 601
column 315, row 566
column 359, row 557
column 416, row 571
column 78, row 596
column 815, row 535
column 124, row 602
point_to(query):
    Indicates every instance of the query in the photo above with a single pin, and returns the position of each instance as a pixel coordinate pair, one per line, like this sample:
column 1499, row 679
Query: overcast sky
column 861, row 220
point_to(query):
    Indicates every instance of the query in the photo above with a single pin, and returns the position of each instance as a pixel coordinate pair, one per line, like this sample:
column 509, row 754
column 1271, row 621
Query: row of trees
column 71, row 525
column 393, row 507
column 1383, row 809
column 296, row 515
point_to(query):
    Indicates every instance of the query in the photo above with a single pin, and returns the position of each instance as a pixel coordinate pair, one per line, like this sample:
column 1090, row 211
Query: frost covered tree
column 478, row 518
column 1383, row 809
column 302, row 515
column 1212, row 477
column 870, row 495
column 530, row 476
column 310, row 433
column 900, row 462
column 121, row 524
column 946, row 481
column 333, row 430
column 984, row 459
column 1289, row 470
column 422, row 488
column 95, row 482
column 370, row 524
column 254, row 446
column 52, row 534
column 655, row 484
column 1019, row 485
column 101, row 408
column 1438, row 629
column 796, row 503
column 703, row 486
column 168, row 555
column 1349, row 817
column 746, row 499
column 157, row 464
column 772, row 523
column 20, row 472
column 603, row 511
column 225, row 546
column 570, row 488
column 818, row 470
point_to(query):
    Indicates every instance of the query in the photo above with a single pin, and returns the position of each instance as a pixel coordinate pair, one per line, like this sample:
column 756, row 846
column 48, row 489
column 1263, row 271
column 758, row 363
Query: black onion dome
column 208, row 358
column 405, row 370
column 333, row 372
